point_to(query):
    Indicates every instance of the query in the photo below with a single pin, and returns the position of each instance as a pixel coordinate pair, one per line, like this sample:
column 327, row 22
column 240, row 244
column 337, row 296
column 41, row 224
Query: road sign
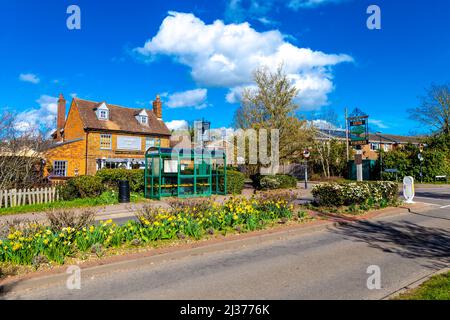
column 306, row 153
column 408, row 189
column 358, row 124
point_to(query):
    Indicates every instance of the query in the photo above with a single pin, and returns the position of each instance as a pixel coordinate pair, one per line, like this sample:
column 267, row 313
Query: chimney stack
column 157, row 107
column 61, row 116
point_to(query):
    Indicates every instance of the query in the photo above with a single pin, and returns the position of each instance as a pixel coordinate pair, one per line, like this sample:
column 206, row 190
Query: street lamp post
column 306, row 154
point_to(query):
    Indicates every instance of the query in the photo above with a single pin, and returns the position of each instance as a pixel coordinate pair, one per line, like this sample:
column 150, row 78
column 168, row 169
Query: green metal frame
column 204, row 181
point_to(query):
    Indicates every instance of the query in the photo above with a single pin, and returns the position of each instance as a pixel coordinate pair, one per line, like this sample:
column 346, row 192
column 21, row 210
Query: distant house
column 99, row 135
column 386, row 142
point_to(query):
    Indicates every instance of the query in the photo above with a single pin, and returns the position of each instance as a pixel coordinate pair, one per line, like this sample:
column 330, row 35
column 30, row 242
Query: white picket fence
column 21, row 197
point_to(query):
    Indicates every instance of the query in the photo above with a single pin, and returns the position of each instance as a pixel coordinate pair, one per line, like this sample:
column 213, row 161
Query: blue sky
column 199, row 55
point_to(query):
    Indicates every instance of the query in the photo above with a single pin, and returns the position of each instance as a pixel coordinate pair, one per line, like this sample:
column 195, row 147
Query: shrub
column 110, row 178
column 272, row 182
column 355, row 193
column 435, row 163
column 235, row 182
column 82, row 187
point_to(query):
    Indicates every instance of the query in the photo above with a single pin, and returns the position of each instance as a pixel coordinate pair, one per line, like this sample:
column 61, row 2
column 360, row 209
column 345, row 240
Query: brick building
column 385, row 142
column 99, row 135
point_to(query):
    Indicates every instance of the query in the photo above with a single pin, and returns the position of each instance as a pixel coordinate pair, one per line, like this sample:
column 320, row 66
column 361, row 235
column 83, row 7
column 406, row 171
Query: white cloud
column 29, row 77
column 191, row 98
column 378, row 123
column 43, row 117
column 177, row 125
column 322, row 124
column 225, row 55
column 302, row 4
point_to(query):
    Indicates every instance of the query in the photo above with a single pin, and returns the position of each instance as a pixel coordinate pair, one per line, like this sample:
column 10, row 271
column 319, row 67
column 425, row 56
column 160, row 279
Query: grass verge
column 107, row 198
column 437, row 288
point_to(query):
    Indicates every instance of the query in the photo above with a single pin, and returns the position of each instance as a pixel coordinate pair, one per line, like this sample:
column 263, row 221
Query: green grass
column 437, row 288
column 107, row 198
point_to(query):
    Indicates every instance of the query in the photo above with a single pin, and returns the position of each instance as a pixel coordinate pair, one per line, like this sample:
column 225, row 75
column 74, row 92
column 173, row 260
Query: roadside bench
column 437, row 178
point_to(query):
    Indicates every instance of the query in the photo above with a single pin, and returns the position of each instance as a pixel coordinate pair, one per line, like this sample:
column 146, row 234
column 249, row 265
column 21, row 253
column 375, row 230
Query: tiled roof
column 121, row 119
column 385, row 138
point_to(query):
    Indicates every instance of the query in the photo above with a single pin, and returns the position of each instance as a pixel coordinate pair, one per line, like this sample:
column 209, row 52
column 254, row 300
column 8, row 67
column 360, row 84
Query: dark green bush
column 110, row 178
column 82, row 187
column 272, row 182
column 406, row 161
column 235, row 182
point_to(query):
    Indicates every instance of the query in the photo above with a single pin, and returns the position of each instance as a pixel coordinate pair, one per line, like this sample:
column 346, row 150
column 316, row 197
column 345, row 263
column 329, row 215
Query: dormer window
column 142, row 117
column 103, row 112
column 103, row 115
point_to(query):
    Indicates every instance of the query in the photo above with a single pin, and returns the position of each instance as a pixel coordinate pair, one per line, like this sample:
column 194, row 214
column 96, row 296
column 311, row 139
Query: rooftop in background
column 121, row 119
column 339, row 134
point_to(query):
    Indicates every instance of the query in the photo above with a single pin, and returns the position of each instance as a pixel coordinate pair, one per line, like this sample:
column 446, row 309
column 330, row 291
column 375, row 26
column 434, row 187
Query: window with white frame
column 374, row 146
column 105, row 142
column 149, row 143
column 143, row 119
column 103, row 115
column 60, row 168
column 387, row 147
column 102, row 112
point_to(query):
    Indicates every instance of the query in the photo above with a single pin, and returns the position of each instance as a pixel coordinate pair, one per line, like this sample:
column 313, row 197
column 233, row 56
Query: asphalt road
column 330, row 264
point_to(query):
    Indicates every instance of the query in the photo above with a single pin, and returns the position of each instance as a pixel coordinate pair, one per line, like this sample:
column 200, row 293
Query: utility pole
column 380, row 154
column 346, row 135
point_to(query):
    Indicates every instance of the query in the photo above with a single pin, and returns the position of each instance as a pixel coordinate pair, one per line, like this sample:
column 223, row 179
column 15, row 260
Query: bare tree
column 21, row 154
column 271, row 106
column 434, row 112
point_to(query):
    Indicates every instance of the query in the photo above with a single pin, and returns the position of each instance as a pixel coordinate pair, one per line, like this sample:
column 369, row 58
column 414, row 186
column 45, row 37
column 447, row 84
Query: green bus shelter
column 184, row 173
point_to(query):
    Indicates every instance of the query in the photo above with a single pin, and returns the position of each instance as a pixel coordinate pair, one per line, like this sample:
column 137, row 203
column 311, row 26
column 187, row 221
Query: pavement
column 335, row 261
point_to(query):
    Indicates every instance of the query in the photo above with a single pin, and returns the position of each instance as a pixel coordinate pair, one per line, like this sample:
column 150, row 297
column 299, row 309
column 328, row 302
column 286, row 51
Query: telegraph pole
column 346, row 135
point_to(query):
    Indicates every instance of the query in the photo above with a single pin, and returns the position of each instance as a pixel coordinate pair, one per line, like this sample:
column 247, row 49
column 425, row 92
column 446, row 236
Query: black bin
column 124, row 191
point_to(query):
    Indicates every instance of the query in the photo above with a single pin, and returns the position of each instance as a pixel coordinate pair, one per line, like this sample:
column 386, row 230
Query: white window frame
column 106, row 136
column 57, row 167
column 150, row 142
column 103, row 115
column 143, row 119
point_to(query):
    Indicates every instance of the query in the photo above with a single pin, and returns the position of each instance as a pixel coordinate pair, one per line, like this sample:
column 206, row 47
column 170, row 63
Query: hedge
column 272, row 182
column 110, row 178
column 235, row 182
column 406, row 161
column 93, row 186
column 355, row 193
column 82, row 187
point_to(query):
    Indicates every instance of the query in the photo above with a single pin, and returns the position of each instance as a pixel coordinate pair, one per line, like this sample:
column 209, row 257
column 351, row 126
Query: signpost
column 408, row 189
column 358, row 124
column 306, row 154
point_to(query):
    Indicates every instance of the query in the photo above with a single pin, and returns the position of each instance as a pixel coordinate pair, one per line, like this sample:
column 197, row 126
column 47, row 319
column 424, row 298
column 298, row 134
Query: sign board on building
column 358, row 124
column 129, row 143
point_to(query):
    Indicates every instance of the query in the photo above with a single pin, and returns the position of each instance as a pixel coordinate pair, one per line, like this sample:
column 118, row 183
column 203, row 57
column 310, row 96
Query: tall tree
column 434, row 111
column 270, row 105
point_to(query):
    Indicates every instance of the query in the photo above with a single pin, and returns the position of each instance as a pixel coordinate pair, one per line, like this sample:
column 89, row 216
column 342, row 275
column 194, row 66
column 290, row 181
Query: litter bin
column 124, row 191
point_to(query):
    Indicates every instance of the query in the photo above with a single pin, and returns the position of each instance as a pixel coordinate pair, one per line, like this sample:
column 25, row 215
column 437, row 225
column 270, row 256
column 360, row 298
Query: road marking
column 445, row 207
column 431, row 204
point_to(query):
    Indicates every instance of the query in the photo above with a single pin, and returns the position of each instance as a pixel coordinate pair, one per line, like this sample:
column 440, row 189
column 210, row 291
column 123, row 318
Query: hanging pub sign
column 358, row 126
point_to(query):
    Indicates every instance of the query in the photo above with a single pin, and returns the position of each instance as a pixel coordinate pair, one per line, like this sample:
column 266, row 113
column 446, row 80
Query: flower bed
column 36, row 243
column 383, row 193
